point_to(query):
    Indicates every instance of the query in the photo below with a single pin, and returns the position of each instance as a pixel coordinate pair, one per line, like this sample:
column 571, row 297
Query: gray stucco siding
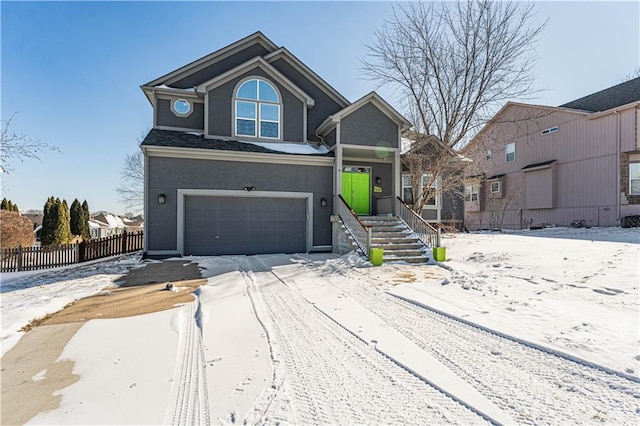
column 324, row 104
column 167, row 175
column 220, row 67
column 166, row 117
column 452, row 206
column 330, row 139
column 221, row 109
column 368, row 126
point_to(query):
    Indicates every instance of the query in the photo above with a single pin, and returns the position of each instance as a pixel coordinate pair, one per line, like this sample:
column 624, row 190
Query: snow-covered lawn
column 324, row 339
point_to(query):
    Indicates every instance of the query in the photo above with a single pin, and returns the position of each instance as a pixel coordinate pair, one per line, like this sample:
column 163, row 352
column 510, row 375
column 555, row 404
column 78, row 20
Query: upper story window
column 181, row 107
column 487, row 154
column 510, row 152
column 634, row 178
column 257, row 110
column 549, row 130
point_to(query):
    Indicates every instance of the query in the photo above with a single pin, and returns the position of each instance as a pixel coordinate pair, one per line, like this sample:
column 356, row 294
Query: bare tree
column 17, row 146
column 131, row 188
column 434, row 169
column 455, row 63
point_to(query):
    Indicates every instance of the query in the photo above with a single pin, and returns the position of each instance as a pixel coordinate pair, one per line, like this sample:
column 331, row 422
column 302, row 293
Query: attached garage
column 233, row 222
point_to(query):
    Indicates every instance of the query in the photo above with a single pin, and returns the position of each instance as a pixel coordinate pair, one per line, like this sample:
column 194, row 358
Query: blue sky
column 72, row 70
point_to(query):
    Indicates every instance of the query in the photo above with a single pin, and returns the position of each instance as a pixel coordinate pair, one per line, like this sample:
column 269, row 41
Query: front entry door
column 356, row 191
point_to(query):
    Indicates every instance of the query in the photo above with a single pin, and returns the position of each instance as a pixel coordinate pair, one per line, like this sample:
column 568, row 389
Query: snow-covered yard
column 324, row 339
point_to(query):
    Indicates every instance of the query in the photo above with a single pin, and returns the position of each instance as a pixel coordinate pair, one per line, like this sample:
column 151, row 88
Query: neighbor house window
column 495, row 187
column 434, row 186
column 634, row 178
column 407, row 193
column 471, row 193
column 510, row 152
column 487, row 155
column 257, row 110
column 549, row 130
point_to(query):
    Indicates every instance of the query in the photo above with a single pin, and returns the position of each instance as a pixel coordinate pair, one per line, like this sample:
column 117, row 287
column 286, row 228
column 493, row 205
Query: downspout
column 618, row 170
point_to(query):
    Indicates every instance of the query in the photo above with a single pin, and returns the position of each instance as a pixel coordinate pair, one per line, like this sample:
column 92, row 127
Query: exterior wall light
column 161, row 199
column 378, row 180
column 323, row 202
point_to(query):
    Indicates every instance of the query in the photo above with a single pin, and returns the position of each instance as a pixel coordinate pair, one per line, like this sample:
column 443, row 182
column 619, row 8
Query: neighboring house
column 249, row 150
column 576, row 163
column 447, row 207
column 105, row 225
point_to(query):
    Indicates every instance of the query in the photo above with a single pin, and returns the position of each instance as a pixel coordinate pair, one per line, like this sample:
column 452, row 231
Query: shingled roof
column 620, row 94
column 178, row 139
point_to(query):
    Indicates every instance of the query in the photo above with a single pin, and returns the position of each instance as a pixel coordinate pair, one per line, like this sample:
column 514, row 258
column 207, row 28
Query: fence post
column 19, row 262
column 438, row 238
column 81, row 248
column 124, row 242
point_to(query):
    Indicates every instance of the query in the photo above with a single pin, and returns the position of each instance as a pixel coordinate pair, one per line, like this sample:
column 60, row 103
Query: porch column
column 338, row 175
column 397, row 183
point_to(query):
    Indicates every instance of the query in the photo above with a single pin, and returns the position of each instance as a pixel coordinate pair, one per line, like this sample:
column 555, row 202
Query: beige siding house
column 579, row 162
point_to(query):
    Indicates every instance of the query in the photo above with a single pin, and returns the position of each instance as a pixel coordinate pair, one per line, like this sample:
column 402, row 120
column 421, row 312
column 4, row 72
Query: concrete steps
column 396, row 239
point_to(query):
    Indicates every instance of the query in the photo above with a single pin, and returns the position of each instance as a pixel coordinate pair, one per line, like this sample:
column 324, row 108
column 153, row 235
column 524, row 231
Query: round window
column 181, row 106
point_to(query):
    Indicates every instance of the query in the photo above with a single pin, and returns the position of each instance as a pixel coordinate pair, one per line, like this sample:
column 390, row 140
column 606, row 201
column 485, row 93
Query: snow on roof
column 292, row 148
column 164, row 86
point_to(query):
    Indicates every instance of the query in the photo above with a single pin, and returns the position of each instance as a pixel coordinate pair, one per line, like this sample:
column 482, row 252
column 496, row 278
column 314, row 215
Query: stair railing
column 360, row 232
column 429, row 236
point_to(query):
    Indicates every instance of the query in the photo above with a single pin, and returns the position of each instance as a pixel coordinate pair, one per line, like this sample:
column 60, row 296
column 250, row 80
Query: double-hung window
column 407, row 190
column 510, row 152
column 471, row 193
column 634, row 178
column 257, row 110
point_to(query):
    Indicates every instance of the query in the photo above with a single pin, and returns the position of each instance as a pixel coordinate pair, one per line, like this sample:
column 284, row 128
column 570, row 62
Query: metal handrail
column 429, row 235
column 360, row 232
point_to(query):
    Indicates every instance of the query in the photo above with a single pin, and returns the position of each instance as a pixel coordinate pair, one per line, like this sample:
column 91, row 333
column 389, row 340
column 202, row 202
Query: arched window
column 257, row 110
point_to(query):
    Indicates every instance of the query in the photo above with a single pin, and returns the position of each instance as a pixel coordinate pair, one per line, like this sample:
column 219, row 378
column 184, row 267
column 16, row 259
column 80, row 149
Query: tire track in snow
column 531, row 385
column 189, row 401
column 333, row 377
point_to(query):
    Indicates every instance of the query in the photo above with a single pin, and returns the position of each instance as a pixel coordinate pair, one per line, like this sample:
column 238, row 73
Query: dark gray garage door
column 234, row 225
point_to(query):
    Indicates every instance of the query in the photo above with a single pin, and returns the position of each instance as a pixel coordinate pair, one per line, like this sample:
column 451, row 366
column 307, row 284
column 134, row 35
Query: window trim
column 474, row 190
column 506, row 152
column 437, row 199
column 172, row 103
column 637, row 164
column 257, row 103
column 549, row 130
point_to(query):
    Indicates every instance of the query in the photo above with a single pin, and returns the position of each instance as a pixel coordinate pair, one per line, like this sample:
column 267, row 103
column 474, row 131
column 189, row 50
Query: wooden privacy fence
column 33, row 258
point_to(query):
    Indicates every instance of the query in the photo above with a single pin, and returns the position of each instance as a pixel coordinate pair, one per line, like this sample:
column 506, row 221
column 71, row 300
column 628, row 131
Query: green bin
column 375, row 255
column 439, row 254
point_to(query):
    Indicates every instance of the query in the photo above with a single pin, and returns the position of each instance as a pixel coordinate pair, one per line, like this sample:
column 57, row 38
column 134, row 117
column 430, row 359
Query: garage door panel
column 237, row 225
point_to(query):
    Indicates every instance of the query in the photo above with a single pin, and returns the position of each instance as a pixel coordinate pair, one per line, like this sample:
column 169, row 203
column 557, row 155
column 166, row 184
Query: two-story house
column 250, row 150
column 578, row 163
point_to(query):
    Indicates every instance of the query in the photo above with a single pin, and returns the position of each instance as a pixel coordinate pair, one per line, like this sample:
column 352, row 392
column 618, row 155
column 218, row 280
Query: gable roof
column 373, row 98
column 612, row 97
column 512, row 104
column 213, row 57
column 178, row 139
column 274, row 54
column 265, row 66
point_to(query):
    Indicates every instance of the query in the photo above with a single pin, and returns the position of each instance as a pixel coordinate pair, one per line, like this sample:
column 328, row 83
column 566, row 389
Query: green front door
column 356, row 191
